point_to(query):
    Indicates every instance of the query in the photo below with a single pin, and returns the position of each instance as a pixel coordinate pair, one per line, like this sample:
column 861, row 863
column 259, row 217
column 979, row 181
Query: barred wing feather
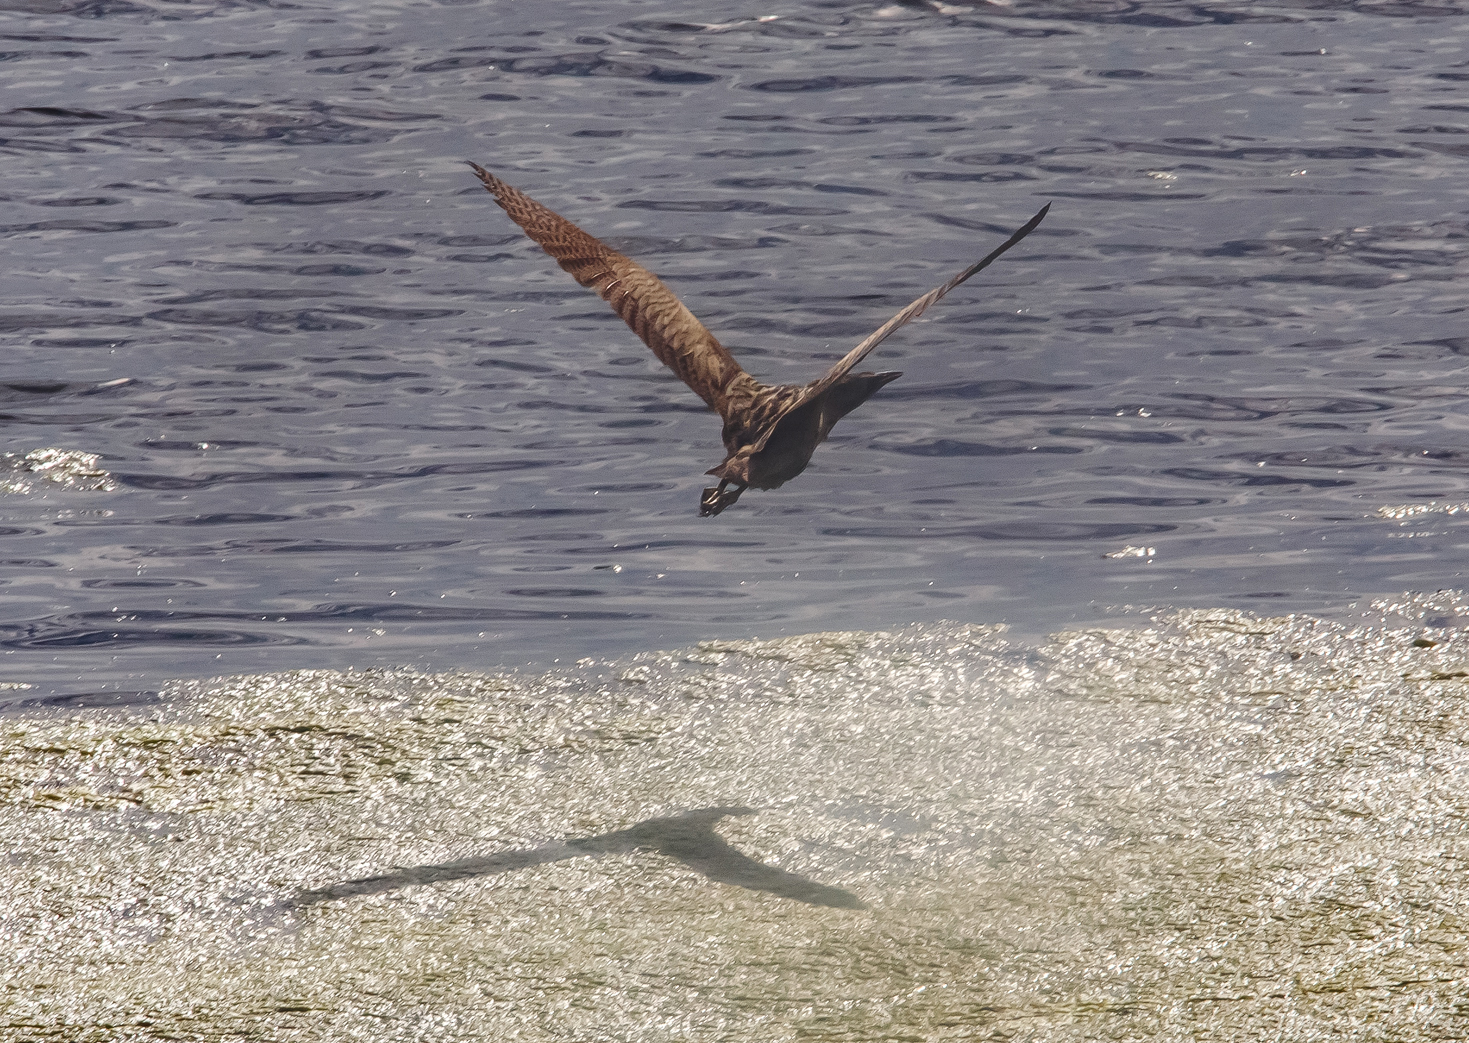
column 907, row 315
column 655, row 314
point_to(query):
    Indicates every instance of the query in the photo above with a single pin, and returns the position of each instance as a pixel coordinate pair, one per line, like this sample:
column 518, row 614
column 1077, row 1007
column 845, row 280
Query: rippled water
column 352, row 416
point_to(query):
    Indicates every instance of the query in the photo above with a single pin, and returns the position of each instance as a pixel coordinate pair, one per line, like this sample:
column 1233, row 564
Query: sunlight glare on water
column 1221, row 823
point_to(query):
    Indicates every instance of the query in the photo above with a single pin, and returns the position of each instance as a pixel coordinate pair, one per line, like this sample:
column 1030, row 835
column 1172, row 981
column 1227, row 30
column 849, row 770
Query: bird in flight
column 770, row 430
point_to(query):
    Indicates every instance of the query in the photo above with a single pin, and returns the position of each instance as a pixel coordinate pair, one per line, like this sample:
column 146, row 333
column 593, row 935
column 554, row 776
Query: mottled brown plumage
column 770, row 431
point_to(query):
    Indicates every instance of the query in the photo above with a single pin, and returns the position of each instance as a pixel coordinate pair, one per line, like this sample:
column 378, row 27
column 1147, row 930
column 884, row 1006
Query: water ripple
column 250, row 276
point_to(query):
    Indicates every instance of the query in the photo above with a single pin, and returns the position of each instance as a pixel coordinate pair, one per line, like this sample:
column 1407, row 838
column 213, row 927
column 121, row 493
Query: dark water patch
column 50, row 116
column 344, row 52
column 725, row 206
column 1127, row 196
column 137, row 583
column 302, row 270
column 713, row 541
column 377, row 311
column 1346, row 280
column 294, row 198
column 719, row 278
column 284, row 545
column 247, row 293
column 535, row 512
column 635, row 487
column 77, row 201
column 589, row 64
column 985, row 177
column 1434, row 128
column 57, row 634
column 360, row 377
column 1239, row 478
column 992, row 159
column 19, row 392
column 97, row 629
column 306, row 320
column 955, row 447
column 620, row 406
column 24, row 145
column 1160, row 502
column 1118, row 437
column 811, row 229
column 409, row 613
column 353, row 68
column 591, row 440
column 231, row 518
column 1453, row 345
column 1205, row 149
column 358, row 479
column 214, row 56
column 746, row 153
column 979, row 389
column 460, row 240
column 106, row 698
column 338, row 246
column 1442, row 148
column 57, row 37
column 205, row 120
column 516, row 366
column 973, row 225
column 79, row 224
column 1348, row 458
column 1047, row 532
column 766, row 183
column 867, row 121
column 1230, row 410
column 829, row 83
column 1200, row 322
column 554, row 592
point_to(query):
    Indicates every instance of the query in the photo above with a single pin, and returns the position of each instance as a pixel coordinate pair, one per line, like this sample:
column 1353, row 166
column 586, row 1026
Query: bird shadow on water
column 688, row 838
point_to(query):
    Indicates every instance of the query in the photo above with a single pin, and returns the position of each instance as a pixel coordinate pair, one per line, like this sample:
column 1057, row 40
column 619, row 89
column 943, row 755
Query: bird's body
column 770, row 431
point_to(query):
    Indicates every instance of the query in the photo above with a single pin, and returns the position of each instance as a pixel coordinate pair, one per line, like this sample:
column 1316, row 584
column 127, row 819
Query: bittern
column 770, row 430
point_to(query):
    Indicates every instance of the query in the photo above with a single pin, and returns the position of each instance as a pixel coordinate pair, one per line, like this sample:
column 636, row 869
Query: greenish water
column 1218, row 826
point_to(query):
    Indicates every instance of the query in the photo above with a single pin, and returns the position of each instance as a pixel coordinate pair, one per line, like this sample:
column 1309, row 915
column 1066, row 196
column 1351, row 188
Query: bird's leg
column 716, row 499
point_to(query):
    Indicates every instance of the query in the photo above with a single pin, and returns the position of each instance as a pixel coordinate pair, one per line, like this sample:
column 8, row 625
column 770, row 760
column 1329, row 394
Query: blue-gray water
column 282, row 388
column 353, row 417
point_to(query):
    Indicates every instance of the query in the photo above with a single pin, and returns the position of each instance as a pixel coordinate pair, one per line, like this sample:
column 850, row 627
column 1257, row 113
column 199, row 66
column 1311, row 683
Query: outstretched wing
column 918, row 307
column 657, row 316
column 907, row 315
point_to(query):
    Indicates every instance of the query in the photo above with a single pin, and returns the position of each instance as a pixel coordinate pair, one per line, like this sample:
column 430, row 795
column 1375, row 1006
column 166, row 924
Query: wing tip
column 492, row 184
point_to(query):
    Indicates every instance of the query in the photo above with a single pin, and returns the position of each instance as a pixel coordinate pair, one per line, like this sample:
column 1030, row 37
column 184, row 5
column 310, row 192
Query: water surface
column 351, row 416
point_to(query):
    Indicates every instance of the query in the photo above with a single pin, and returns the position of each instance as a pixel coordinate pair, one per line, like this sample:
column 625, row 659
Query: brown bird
column 770, row 431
